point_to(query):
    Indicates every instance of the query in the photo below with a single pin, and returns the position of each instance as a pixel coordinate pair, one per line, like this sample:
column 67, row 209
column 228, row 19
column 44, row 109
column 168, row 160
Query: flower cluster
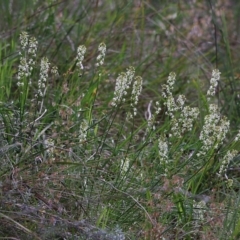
column 54, row 71
column 187, row 117
column 24, row 40
column 29, row 46
column 101, row 55
column 170, row 82
column 122, row 85
column 81, row 50
column 125, row 163
column 183, row 122
column 170, row 103
column 180, row 101
column 226, row 160
column 32, row 48
column 23, row 70
column 163, row 152
column 136, row 91
column 171, row 106
column 44, row 68
column 83, row 132
column 237, row 137
column 214, row 130
column 213, row 82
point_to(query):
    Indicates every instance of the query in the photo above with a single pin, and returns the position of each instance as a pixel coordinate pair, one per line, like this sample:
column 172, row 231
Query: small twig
column 148, row 114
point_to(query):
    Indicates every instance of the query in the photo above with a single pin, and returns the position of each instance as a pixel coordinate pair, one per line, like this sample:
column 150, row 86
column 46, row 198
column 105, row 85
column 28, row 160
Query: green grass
column 74, row 165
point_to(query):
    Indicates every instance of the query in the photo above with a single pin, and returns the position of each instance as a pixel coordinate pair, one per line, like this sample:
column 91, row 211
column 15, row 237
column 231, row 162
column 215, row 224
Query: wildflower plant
column 166, row 157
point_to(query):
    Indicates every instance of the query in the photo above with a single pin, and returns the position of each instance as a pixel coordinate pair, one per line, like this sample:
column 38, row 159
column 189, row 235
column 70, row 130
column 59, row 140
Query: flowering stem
column 23, row 97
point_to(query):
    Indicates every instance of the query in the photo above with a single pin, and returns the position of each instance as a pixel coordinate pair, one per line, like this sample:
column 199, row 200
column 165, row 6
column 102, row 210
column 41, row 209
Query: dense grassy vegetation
column 119, row 120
